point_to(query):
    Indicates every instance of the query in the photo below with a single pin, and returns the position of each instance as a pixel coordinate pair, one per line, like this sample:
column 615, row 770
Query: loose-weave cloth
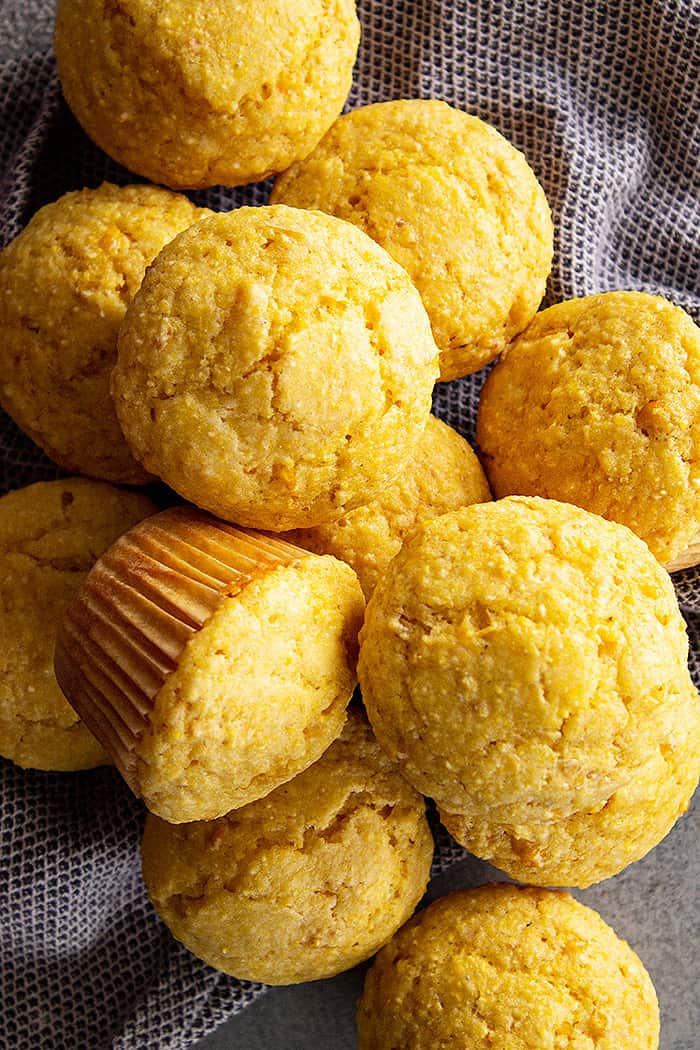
column 603, row 100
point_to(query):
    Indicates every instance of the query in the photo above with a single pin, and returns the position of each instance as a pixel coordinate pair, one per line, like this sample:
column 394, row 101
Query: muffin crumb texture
column 597, row 403
column 512, row 969
column 525, row 663
column 65, row 283
column 194, row 95
column 304, row 883
column 453, row 202
column 50, row 535
column 276, row 367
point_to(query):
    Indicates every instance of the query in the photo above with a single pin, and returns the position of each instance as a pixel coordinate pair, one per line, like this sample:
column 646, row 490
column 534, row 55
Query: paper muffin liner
column 140, row 604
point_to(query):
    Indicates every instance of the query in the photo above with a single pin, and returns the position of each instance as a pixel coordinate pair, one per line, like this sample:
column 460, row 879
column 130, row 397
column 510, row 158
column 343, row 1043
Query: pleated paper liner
column 689, row 557
column 140, row 604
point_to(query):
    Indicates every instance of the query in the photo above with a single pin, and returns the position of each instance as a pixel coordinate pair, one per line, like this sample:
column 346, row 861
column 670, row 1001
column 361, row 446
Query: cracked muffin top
column 598, row 403
column 65, row 283
column 199, row 94
column 304, row 883
column 276, row 367
column 453, row 202
column 510, row 968
column 523, row 661
column 51, row 533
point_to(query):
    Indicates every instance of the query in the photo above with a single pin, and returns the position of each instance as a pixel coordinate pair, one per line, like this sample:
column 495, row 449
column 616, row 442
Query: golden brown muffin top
column 65, row 283
column 305, row 882
column 200, row 94
column 520, row 659
column 598, row 403
column 453, row 202
column 276, row 367
column 510, row 968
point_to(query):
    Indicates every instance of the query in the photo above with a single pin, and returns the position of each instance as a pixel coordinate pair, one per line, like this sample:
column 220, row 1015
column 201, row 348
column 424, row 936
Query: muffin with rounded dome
column 50, row 535
column 511, row 968
column 598, row 403
column 196, row 94
column 525, row 662
column 276, row 367
column 65, row 283
column 213, row 663
column 453, row 202
column 442, row 474
column 304, row 883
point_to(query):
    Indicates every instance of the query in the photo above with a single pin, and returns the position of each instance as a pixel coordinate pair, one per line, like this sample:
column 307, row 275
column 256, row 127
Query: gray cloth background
column 603, row 100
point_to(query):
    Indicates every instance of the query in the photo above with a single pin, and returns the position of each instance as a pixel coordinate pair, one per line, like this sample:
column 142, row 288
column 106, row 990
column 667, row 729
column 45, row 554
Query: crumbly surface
column 258, row 694
column 51, row 533
column 524, row 661
column 200, row 94
column 453, row 202
column 276, row 367
column 599, row 841
column 512, row 969
column 598, row 403
column 442, row 474
column 304, row 883
column 65, row 283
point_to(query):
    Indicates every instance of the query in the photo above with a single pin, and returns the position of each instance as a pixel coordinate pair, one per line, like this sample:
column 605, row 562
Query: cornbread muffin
column 598, row 403
column 50, row 535
column 453, row 202
column 276, row 367
column 442, row 474
column 304, row 883
column 512, row 969
column 65, row 283
column 214, row 664
column 195, row 94
column 525, row 662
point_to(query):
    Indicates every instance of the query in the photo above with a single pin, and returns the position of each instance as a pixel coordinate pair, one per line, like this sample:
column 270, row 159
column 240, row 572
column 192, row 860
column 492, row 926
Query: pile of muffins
column 522, row 661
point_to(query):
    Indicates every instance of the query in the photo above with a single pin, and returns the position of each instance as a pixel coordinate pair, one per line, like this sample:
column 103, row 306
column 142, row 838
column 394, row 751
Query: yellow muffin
column 304, row 883
column 50, row 535
column 525, row 662
column 512, row 969
column 442, row 474
column 276, row 367
column 65, row 283
column 453, row 202
column 598, row 403
column 195, row 94
column 213, row 663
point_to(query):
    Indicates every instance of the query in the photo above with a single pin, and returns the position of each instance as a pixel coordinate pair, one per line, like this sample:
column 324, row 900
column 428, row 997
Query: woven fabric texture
column 603, row 100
